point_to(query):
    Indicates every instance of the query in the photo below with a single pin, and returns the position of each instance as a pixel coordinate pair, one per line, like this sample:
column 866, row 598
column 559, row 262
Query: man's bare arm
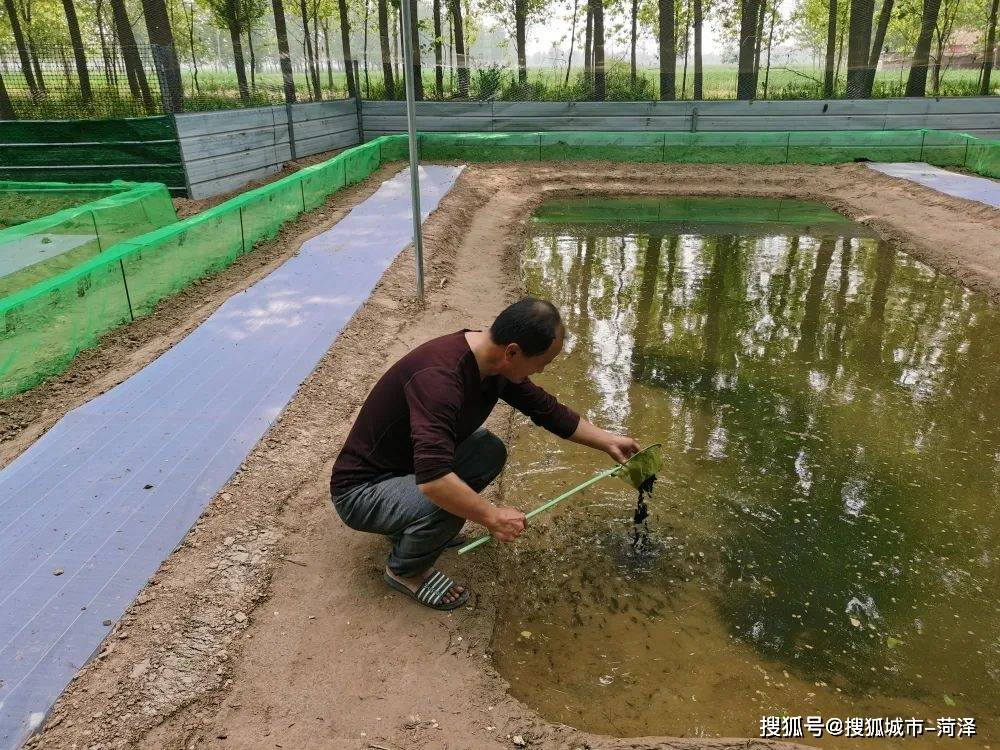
column 619, row 447
column 455, row 496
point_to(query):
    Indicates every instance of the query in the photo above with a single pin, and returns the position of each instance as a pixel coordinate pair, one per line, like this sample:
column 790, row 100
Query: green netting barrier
column 80, row 222
column 46, row 325
column 673, row 209
column 21, row 202
column 941, row 148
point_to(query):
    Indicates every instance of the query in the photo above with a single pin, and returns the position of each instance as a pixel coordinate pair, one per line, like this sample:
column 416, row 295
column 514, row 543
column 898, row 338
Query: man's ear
column 510, row 351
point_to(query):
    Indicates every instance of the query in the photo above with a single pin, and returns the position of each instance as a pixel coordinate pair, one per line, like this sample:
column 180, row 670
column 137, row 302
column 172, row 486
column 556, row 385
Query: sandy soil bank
column 269, row 626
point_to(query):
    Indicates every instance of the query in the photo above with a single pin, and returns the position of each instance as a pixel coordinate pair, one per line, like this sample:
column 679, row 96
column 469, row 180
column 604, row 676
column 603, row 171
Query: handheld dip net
column 639, row 471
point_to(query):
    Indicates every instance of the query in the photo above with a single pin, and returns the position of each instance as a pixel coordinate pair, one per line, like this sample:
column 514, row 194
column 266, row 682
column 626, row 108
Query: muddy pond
column 823, row 535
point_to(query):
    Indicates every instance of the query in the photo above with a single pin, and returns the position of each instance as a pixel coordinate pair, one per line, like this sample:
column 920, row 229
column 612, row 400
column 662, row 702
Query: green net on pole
column 44, row 326
column 131, row 253
column 53, row 227
column 944, row 149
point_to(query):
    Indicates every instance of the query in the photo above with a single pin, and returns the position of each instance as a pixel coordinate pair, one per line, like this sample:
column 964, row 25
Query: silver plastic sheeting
column 971, row 188
column 111, row 490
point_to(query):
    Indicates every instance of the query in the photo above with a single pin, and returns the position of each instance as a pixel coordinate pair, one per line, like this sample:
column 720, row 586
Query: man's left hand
column 621, row 447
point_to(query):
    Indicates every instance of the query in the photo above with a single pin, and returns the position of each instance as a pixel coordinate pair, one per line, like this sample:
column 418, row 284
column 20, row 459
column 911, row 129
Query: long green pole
column 545, row 506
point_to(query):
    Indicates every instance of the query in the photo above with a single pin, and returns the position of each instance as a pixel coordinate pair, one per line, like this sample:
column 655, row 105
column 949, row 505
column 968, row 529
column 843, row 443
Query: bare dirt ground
column 269, row 626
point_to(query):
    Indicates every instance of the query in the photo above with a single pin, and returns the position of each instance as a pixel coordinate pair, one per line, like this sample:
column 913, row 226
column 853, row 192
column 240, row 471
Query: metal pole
column 411, row 129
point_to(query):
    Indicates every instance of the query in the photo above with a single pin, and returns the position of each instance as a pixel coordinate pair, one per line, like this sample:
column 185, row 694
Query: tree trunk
column 699, row 76
column 770, row 42
column 687, row 49
column 588, row 49
column 345, row 43
column 758, row 44
column 316, row 62
column 989, row 53
column 67, row 71
column 916, row 82
column 383, row 33
column 438, row 65
column 600, row 74
column 285, row 57
column 32, row 51
column 6, row 107
column 520, row 32
column 572, row 41
column 668, row 52
column 461, row 60
column 936, row 64
column 253, row 59
column 884, row 16
column 831, row 49
column 859, row 43
column 313, row 73
column 134, row 70
column 327, row 59
column 189, row 22
column 78, row 52
column 233, row 24
column 745, row 84
column 161, row 40
column 397, row 36
column 942, row 33
column 102, row 36
column 632, row 42
column 364, row 48
column 840, row 54
column 418, row 76
column 22, row 48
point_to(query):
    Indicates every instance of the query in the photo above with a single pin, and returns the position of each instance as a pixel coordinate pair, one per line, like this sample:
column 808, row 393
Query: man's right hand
column 506, row 523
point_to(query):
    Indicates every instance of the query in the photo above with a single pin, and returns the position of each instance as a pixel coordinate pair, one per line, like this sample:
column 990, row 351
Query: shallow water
column 823, row 537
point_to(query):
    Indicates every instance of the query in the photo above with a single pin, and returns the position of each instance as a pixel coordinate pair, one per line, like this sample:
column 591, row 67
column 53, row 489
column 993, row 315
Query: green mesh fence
column 944, row 149
column 654, row 210
column 80, row 222
column 46, row 325
column 21, row 202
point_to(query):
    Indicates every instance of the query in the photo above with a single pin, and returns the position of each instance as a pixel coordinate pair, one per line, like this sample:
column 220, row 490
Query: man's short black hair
column 531, row 323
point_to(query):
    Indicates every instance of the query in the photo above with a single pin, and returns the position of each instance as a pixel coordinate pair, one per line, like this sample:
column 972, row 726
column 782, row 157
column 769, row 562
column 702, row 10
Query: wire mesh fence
column 131, row 81
column 48, row 83
column 565, row 78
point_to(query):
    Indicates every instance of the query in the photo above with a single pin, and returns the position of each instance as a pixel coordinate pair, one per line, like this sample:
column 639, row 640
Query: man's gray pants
column 419, row 529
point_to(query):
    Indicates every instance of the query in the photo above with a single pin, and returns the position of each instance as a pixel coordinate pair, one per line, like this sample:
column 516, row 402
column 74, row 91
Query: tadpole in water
column 640, row 526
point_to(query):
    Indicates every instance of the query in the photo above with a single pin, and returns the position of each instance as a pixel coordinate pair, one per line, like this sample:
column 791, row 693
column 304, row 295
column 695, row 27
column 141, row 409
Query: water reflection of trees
column 857, row 392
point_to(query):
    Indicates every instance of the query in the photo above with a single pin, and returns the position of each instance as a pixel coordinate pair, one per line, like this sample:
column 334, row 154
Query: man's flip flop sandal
column 432, row 592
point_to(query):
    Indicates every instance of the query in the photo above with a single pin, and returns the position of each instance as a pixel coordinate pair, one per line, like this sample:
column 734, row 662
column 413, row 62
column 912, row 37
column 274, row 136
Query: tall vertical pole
column 411, row 129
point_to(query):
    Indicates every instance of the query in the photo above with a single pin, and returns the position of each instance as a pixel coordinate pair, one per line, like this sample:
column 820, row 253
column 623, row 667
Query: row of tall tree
column 676, row 25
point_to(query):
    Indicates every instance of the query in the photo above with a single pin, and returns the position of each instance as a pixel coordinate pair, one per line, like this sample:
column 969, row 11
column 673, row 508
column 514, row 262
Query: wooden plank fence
column 978, row 116
column 225, row 150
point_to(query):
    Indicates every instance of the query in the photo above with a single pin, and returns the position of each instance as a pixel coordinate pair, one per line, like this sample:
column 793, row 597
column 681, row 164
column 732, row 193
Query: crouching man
column 417, row 456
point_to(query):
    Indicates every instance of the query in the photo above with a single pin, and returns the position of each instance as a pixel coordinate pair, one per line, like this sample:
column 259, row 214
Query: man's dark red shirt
column 425, row 405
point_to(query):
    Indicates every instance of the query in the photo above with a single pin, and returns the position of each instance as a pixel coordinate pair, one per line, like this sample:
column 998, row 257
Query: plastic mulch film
column 96, row 218
column 44, row 326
